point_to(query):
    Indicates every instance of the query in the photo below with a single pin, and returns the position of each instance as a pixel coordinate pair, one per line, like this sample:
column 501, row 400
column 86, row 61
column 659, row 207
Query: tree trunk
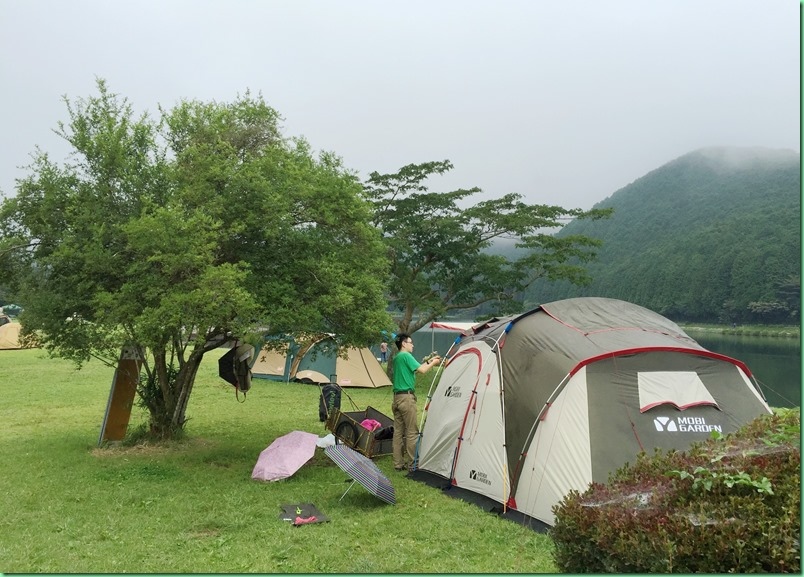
column 389, row 367
column 168, row 392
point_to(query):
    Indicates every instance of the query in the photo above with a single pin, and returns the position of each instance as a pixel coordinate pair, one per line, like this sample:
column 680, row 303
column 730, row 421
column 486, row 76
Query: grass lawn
column 67, row 506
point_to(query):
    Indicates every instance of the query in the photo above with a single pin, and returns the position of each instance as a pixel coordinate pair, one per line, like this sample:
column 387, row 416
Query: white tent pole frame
column 430, row 394
column 506, row 465
column 532, row 432
column 492, row 348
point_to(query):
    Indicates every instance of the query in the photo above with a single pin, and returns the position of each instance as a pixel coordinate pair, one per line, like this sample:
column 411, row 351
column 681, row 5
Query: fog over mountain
column 706, row 236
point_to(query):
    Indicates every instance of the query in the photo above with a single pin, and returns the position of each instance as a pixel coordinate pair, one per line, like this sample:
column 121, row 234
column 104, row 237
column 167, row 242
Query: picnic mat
column 302, row 514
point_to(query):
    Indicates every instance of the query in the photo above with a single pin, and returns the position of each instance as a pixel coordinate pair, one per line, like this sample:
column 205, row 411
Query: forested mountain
column 714, row 235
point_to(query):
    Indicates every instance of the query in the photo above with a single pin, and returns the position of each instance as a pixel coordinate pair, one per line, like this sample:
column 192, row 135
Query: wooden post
column 121, row 397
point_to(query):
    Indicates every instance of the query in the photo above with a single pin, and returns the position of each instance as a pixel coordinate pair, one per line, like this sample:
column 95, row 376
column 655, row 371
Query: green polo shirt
column 405, row 372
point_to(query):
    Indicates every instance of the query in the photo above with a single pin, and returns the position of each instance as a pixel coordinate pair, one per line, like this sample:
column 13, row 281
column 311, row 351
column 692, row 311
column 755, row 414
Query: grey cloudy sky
column 562, row 101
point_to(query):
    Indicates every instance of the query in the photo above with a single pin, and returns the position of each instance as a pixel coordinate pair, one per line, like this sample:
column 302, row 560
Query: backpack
column 329, row 401
column 234, row 366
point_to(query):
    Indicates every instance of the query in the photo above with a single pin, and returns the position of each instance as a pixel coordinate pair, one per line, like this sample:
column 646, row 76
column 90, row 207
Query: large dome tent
column 532, row 406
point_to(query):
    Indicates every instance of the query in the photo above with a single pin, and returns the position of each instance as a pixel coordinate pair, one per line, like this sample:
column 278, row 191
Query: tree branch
column 19, row 247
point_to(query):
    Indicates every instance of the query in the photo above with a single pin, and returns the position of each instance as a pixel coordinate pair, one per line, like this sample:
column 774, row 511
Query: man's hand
column 431, row 356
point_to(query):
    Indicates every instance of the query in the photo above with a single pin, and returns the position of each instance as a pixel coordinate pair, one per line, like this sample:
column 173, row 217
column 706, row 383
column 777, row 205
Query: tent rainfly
column 532, row 406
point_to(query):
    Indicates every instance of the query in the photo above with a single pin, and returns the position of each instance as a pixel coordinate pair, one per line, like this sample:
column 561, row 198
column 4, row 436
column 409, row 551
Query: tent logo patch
column 664, row 424
column 454, row 392
column 479, row 476
column 684, row 425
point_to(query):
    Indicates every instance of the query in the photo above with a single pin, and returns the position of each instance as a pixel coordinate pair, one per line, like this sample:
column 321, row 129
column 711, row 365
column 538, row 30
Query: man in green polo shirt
column 406, row 430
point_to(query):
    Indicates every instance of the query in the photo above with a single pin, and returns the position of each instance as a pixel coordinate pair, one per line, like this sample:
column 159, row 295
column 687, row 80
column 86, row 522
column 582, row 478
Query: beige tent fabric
column 10, row 336
column 269, row 362
column 314, row 376
column 361, row 369
column 682, row 389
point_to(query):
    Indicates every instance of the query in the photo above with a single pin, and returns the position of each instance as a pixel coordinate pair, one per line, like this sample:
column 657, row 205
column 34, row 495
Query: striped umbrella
column 363, row 470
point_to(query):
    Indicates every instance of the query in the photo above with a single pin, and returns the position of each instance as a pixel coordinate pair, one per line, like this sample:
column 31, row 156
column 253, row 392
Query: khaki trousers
column 405, row 430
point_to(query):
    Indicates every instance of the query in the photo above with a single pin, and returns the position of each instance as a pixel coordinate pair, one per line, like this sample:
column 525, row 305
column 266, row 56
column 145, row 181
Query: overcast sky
column 561, row 101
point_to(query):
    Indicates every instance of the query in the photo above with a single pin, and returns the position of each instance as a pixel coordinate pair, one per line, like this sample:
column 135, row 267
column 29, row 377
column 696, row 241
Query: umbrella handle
column 347, row 490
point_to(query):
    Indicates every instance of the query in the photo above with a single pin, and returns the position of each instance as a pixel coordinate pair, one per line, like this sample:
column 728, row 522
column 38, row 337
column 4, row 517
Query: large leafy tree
column 438, row 244
column 176, row 235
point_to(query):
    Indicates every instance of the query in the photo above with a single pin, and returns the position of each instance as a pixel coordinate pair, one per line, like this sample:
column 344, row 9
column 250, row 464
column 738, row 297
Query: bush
column 731, row 504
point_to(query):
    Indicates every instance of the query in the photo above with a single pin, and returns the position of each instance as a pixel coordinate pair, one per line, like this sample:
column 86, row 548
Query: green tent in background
column 317, row 360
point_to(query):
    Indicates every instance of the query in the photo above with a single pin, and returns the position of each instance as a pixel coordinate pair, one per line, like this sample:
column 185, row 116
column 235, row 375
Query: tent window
column 683, row 389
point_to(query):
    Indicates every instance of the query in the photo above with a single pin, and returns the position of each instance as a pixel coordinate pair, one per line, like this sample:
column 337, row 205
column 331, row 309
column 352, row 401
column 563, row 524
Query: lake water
column 775, row 362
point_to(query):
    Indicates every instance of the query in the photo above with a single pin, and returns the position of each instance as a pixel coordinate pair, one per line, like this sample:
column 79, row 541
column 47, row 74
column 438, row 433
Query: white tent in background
column 460, row 327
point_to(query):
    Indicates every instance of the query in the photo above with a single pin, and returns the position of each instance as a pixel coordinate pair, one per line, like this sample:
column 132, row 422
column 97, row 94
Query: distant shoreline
column 780, row 331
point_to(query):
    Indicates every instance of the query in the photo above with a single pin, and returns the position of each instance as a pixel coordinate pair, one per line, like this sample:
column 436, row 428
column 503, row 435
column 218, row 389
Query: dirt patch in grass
column 146, row 448
column 204, row 533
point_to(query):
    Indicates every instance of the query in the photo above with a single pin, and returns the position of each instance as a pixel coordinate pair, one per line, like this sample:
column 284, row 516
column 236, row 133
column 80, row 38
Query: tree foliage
column 176, row 235
column 440, row 262
column 701, row 239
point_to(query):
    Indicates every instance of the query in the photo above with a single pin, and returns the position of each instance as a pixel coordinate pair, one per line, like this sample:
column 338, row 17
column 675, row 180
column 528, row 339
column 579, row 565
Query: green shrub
column 731, row 504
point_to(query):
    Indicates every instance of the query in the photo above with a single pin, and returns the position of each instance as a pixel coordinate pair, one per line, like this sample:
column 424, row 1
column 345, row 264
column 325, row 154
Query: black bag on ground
column 329, row 401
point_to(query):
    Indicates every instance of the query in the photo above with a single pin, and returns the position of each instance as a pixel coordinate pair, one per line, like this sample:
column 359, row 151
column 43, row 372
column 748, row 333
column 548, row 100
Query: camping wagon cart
column 347, row 428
